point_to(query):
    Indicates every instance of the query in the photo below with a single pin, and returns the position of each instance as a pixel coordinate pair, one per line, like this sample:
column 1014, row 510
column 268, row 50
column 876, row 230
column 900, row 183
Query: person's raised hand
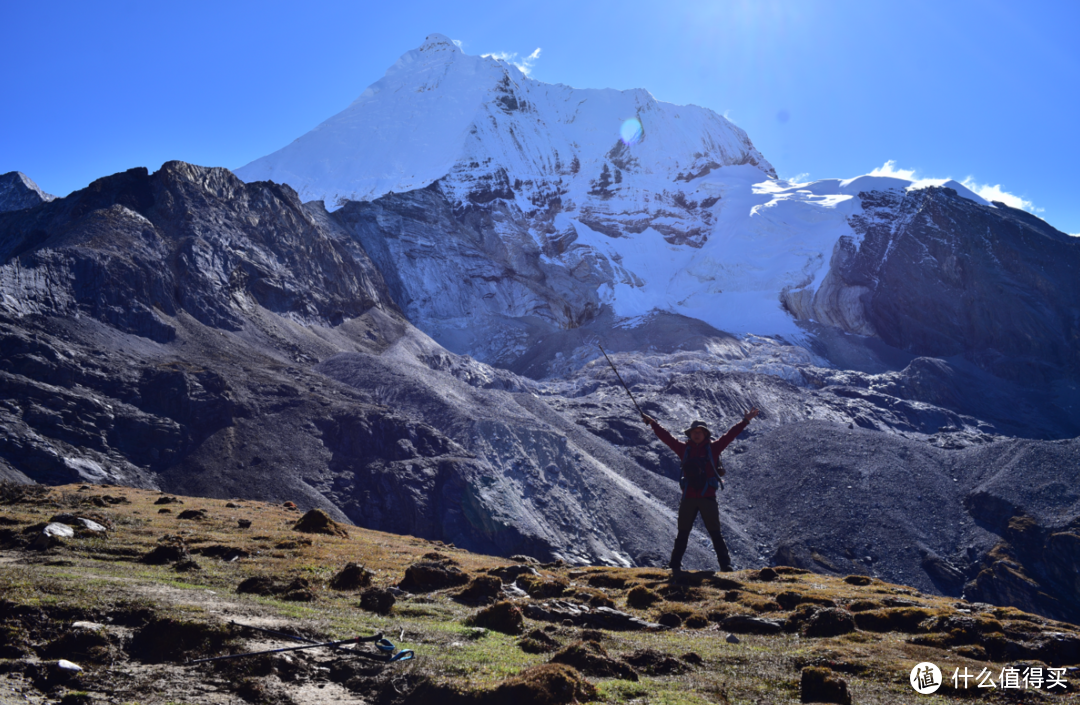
column 751, row 414
column 647, row 420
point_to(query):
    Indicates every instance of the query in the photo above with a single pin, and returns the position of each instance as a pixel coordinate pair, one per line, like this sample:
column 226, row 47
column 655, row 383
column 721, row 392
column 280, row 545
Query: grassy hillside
column 173, row 578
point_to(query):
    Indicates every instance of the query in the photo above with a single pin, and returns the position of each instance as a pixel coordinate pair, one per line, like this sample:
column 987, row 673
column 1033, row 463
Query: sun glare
column 631, row 131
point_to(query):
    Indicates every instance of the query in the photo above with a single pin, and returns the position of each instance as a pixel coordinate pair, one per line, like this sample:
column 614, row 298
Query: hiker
column 701, row 472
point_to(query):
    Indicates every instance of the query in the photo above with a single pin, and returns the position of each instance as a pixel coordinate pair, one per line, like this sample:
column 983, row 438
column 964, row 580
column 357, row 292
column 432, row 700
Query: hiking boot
column 726, row 568
column 677, row 575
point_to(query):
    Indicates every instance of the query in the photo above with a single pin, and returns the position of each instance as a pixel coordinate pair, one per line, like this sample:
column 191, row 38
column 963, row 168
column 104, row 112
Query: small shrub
column 483, row 588
column 820, row 685
column 352, row 577
column 377, row 600
column 540, row 587
column 858, row 580
column 893, row 619
column 642, row 597
column 590, row 658
column 502, row 617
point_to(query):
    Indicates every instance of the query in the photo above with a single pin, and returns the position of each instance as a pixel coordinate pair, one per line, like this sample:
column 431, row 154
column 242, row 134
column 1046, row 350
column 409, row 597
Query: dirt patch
column 656, row 663
column 440, row 557
column 166, row 640
column 260, row 585
column 538, row 642
column 316, row 521
column 83, row 644
column 166, row 553
column 225, row 553
column 546, row 684
column 590, row 658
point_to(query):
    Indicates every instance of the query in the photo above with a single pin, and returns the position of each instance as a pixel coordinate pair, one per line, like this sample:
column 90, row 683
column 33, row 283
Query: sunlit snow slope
column 642, row 205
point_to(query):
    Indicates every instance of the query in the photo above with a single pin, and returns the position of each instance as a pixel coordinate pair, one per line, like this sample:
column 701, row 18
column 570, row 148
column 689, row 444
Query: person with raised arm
column 701, row 477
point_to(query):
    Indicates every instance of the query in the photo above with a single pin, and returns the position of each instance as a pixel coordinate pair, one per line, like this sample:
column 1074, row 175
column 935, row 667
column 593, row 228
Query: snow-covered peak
column 439, row 112
column 439, row 42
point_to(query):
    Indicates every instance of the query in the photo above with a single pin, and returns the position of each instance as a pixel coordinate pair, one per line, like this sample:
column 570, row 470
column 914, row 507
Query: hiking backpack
column 696, row 472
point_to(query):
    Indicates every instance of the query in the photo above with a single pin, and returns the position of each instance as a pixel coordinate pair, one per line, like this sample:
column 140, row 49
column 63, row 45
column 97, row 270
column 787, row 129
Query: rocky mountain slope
column 185, row 331
column 417, row 350
column 111, row 594
column 18, row 191
column 503, row 211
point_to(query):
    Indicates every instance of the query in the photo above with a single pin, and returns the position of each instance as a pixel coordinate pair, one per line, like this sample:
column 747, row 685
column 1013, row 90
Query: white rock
column 60, row 531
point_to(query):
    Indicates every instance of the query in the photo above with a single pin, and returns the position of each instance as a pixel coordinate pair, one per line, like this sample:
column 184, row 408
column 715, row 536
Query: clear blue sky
column 825, row 88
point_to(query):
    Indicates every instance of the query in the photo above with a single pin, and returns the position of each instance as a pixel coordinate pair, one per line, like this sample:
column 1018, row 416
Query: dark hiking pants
column 710, row 514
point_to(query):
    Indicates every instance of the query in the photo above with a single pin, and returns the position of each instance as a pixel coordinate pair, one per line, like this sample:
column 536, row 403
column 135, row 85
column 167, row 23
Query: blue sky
column 984, row 91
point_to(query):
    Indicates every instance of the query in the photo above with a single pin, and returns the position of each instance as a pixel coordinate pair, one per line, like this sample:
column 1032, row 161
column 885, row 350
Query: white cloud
column 524, row 65
column 802, row 178
column 1074, row 234
column 996, row 193
column 990, row 193
column 889, row 169
column 458, row 43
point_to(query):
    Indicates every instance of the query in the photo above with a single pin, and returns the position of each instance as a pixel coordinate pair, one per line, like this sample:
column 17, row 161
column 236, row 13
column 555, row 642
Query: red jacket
column 698, row 450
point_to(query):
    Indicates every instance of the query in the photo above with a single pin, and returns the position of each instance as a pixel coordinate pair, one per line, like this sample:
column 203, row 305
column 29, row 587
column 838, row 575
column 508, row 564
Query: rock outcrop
column 939, row 275
column 18, row 191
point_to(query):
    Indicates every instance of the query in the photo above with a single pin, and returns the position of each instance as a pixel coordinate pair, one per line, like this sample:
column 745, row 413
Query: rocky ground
column 109, row 594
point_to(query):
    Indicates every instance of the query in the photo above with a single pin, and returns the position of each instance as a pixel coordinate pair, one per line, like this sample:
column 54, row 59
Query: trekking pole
column 381, row 643
column 277, row 651
column 303, row 639
column 389, row 658
column 620, row 379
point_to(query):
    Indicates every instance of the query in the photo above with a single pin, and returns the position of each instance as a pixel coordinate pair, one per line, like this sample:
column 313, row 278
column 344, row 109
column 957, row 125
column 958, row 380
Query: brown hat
column 699, row 424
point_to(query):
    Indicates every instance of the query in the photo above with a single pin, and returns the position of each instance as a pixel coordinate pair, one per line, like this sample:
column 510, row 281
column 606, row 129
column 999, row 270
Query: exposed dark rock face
column 502, row 288
column 18, row 191
column 939, row 275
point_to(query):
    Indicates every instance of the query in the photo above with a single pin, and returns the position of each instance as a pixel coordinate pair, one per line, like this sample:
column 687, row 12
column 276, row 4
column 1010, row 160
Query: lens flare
column 631, row 131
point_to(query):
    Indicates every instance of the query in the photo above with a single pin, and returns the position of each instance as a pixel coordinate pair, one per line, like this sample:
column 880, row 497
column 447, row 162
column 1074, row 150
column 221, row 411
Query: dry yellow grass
column 103, row 577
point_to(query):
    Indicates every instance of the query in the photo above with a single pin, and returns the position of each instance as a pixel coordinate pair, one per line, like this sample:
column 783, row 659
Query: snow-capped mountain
column 440, row 112
column 504, row 212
